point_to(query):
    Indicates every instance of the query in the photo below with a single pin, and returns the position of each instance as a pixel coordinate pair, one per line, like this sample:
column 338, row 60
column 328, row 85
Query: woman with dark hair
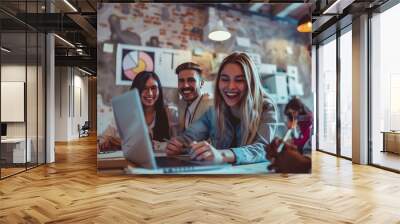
column 151, row 95
column 160, row 120
column 299, row 118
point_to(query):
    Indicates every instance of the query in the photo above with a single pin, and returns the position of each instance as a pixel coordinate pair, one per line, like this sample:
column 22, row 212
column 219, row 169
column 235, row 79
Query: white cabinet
column 16, row 148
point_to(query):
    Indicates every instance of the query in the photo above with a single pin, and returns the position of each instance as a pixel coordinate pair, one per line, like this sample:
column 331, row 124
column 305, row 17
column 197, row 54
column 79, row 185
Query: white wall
column 71, row 94
column 80, row 110
column 61, row 103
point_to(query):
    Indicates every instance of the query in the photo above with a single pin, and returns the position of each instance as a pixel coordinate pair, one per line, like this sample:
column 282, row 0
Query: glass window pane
column 327, row 97
column 13, row 85
column 41, row 99
column 31, row 97
column 346, row 94
column 22, row 63
column 385, row 89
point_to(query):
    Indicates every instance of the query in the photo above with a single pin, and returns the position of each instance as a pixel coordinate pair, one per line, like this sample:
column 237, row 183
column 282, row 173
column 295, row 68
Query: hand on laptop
column 159, row 146
column 109, row 143
column 109, row 139
column 204, row 151
column 175, row 147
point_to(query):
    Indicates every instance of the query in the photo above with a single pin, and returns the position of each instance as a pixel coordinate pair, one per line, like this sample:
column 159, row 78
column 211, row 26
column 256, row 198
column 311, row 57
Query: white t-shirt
column 151, row 126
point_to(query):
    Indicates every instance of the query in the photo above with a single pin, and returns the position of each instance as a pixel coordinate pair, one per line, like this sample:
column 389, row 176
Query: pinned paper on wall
column 167, row 60
column 12, row 101
column 108, row 48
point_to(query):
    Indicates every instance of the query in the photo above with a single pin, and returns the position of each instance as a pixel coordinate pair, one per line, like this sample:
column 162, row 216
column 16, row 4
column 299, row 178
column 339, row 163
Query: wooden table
column 114, row 162
column 391, row 141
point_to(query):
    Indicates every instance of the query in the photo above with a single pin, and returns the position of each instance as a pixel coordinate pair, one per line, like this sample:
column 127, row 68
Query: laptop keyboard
column 172, row 162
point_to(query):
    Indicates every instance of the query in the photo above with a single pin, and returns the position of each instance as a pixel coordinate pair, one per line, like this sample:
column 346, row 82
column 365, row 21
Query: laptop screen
column 132, row 128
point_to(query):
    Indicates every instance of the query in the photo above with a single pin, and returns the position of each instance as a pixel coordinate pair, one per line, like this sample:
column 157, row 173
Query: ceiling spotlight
column 337, row 7
column 70, row 5
column 218, row 32
column 84, row 71
column 65, row 41
column 5, row 50
column 304, row 25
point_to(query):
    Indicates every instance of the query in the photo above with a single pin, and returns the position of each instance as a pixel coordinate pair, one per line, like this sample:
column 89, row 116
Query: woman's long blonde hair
column 251, row 106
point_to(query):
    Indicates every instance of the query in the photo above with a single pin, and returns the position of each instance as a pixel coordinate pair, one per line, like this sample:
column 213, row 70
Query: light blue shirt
column 205, row 128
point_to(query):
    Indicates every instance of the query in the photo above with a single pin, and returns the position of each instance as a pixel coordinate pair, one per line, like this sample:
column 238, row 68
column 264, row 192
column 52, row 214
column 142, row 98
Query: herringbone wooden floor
column 70, row 191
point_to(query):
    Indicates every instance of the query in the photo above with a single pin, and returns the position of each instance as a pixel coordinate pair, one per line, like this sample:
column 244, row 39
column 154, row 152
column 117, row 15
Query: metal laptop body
column 136, row 142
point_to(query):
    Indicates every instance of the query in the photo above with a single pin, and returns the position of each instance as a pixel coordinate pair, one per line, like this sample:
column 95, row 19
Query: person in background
column 194, row 103
column 157, row 116
column 289, row 160
column 239, row 125
column 300, row 119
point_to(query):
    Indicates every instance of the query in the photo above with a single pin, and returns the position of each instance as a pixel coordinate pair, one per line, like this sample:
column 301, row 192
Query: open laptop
column 136, row 142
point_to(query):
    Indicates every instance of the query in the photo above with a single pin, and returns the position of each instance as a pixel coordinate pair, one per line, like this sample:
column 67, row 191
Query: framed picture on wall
column 12, row 101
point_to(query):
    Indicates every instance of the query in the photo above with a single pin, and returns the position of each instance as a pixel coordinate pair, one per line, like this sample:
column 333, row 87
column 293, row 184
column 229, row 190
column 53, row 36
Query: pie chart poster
column 134, row 62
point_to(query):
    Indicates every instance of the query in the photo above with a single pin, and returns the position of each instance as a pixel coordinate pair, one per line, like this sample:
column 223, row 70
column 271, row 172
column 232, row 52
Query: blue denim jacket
column 205, row 128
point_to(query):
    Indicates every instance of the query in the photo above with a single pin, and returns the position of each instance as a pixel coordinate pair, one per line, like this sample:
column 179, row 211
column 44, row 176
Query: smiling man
column 194, row 103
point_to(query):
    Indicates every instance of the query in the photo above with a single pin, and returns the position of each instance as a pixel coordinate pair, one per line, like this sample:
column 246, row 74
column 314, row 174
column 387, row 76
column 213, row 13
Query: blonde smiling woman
column 241, row 123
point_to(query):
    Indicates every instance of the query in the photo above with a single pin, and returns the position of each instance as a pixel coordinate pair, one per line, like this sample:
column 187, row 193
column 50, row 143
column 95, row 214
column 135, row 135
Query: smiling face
column 150, row 93
column 189, row 84
column 232, row 84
